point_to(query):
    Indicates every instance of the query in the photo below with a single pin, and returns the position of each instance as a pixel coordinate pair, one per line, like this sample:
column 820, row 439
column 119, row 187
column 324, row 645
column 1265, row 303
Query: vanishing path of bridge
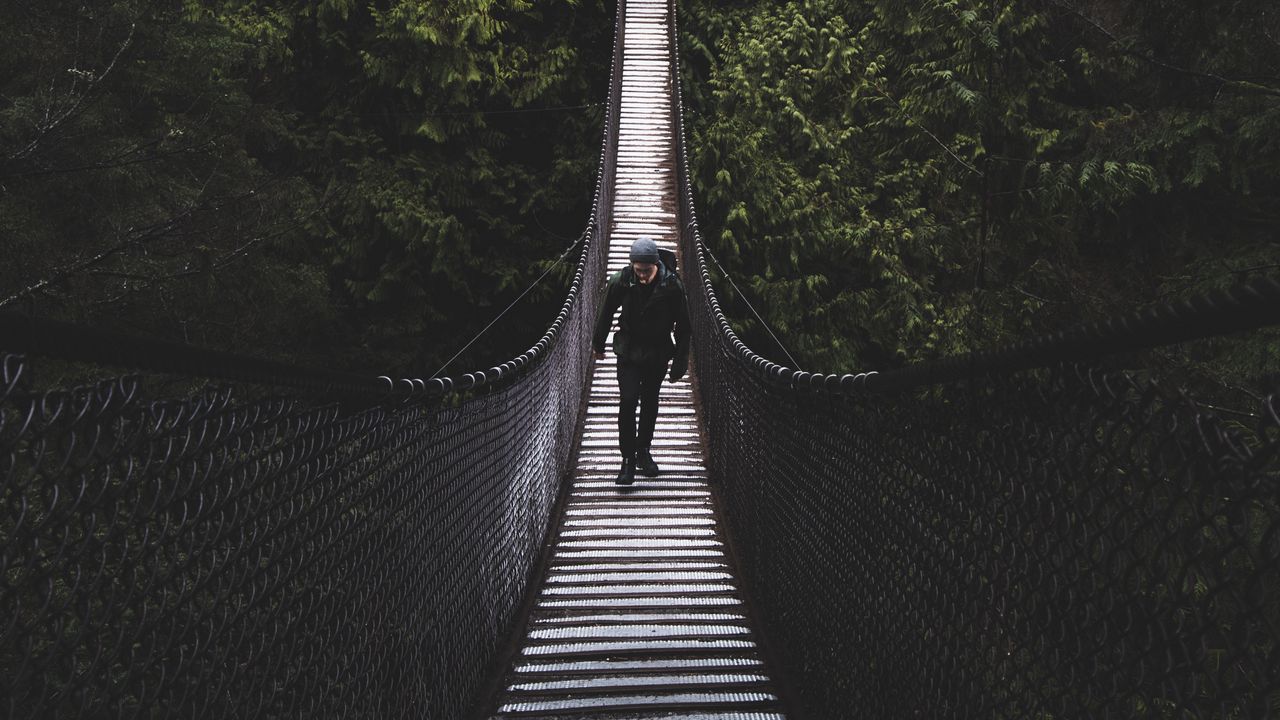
column 639, row 610
column 1054, row 528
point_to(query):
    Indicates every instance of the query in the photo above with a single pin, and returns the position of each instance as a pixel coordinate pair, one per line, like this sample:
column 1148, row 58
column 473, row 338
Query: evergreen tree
column 358, row 185
column 893, row 182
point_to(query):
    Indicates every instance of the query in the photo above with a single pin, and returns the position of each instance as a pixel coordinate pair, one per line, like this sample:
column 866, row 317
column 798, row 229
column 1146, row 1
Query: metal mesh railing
column 285, row 543
column 1070, row 544
column 204, row 557
column 1002, row 535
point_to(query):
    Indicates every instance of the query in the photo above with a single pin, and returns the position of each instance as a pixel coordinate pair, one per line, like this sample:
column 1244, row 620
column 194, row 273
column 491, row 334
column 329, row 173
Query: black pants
column 638, row 384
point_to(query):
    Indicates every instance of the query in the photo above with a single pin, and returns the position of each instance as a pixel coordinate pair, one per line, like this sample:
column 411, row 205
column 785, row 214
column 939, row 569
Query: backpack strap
column 668, row 258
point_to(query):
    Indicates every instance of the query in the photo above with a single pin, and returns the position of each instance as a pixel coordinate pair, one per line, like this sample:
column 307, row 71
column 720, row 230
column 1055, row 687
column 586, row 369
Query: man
column 653, row 308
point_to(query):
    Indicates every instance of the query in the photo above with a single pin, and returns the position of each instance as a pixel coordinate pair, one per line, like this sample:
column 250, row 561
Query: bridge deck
column 638, row 615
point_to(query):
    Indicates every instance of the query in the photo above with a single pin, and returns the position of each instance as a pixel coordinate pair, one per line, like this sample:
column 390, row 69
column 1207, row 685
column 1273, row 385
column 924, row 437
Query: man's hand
column 597, row 354
column 678, row 370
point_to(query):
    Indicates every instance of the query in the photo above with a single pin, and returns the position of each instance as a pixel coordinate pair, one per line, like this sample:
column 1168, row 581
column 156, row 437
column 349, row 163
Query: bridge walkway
column 639, row 615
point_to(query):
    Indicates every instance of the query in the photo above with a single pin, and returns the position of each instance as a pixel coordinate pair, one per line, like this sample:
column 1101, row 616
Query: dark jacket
column 647, row 323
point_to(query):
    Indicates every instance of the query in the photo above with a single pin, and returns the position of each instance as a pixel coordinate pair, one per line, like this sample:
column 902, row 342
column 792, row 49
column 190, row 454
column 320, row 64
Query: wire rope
column 508, row 308
column 764, row 324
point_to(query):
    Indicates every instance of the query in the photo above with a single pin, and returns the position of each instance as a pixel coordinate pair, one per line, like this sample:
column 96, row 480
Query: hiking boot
column 645, row 463
column 628, row 473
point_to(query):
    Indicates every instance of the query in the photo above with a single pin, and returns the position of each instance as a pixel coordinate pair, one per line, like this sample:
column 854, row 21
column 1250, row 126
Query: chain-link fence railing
column 1002, row 535
column 207, row 557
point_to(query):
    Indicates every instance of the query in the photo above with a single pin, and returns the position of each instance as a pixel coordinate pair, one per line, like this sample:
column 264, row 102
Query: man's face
column 645, row 272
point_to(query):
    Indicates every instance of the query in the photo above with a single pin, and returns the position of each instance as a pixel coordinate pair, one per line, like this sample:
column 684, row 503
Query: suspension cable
column 508, row 308
column 726, row 275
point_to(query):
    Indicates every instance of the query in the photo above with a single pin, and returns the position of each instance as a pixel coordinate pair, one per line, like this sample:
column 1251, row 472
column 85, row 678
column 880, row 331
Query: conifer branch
column 966, row 165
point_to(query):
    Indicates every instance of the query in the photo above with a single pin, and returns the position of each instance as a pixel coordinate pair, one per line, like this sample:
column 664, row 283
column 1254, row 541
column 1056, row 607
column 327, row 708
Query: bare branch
column 86, row 263
column 51, row 122
column 1255, row 268
column 1035, row 297
column 221, row 263
column 61, row 274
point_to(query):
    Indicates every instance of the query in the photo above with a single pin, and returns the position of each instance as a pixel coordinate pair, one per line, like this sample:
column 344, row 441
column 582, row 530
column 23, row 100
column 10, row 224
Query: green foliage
column 890, row 182
column 348, row 184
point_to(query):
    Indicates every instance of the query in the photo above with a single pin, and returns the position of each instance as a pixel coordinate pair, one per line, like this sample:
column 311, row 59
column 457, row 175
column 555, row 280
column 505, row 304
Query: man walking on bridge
column 653, row 309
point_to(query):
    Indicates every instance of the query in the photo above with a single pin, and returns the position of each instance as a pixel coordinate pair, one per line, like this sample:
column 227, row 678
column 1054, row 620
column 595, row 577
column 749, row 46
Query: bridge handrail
column 81, row 343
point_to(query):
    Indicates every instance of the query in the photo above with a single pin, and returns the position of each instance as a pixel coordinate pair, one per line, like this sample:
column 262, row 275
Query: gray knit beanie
column 644, row 250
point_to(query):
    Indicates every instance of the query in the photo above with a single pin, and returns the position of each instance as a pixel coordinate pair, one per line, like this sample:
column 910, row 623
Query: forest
column 365, row 186
column 341, row 184
column 891, row 182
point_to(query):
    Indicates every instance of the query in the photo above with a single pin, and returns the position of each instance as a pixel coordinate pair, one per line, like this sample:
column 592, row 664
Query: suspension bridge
column 1045, row 530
